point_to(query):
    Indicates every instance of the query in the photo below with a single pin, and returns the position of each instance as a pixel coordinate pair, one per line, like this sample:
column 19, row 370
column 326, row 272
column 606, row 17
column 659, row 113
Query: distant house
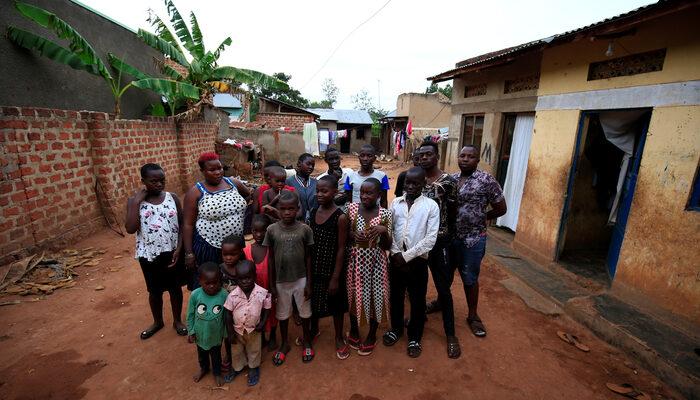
column 357, row 123
column 278, row 114
column 231, row 104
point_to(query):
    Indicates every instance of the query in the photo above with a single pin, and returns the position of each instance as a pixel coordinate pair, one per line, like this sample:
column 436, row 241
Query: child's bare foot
column 219, row 380
column 200, row 375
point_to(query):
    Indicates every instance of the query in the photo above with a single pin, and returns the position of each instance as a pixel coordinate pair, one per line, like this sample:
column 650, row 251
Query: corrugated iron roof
column 564, row 37
column 360, row 117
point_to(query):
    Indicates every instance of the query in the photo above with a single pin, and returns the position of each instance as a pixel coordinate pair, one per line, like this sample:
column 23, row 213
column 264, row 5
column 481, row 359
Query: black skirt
column 159, row 278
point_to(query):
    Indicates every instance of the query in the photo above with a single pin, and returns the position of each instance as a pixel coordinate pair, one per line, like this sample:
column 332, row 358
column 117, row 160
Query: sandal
column 278, row 358
column 354, row 343
column 307, row 355
column 414, row 349
column 343, row 352
column 253, row 376
column 628, row 390
column 453, row 348
column 228, row 378
column 366, row 349
column 573, row 340
column 182, row 331
column 390, row 338
column 477, row 327
column 151, row 331
column 299, row 341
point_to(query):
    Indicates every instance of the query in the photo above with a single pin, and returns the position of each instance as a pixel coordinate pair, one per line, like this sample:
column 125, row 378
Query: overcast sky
column 393, row 53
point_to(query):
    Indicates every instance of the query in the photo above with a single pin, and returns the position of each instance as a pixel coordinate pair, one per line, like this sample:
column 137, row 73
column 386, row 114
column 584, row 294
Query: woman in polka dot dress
column 214, row 209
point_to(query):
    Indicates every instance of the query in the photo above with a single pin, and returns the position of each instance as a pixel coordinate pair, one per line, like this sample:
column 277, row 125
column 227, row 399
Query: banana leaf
column 49, row 49
column 168, row 87
column 181, row 29
column 77, row 44
column 172, row 73
column 248, row 76
column 163, row 46
column 197, row 39
column 125, row 68
column 163, row 31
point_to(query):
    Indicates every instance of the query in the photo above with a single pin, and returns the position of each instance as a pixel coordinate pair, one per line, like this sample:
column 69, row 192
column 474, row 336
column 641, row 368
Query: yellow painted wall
column 425, row 110
column 551, row 152
column 660, row 254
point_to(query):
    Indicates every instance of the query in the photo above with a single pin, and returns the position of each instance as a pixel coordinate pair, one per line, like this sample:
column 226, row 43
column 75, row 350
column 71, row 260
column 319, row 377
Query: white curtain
column 517, row 169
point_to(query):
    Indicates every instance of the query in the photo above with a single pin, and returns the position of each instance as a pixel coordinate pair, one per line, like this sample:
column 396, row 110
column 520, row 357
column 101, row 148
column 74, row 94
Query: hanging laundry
column 311, row 138
column 409, row 128
column 323, row 137
column 343, row 134
column 333, row 136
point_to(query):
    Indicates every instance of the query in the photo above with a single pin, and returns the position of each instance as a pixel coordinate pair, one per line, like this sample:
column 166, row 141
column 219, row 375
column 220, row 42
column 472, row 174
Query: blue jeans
column 468, row 260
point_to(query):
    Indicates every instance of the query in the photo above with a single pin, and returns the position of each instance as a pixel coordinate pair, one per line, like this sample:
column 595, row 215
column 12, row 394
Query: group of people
column 321, row 247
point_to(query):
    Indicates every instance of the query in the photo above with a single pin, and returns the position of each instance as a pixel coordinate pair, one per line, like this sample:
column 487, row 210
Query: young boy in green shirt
column 205, row 320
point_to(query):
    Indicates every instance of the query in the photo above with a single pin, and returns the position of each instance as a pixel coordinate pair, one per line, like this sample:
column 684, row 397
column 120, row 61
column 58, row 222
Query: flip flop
column 299, row 341
column 573, row 340
column 390, row 338
column 627, row 390
column 414, row 349
column 253, row 376
column 343, row 352
column 477, row 327
column 151, row 331
column 307, row 355
column 354, row 343
column 366, row 349
column 278, row 358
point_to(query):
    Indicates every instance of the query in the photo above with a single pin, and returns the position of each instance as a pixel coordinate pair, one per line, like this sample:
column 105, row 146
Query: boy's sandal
column 366, row 349
column 228, row 378
column 151, row 331
column 477, row 327
column 414, row 349
column 573, row 340
column 253, row 376
column 307, row 355
column 390, row 338
column 354, row 343
column 453, row 349
column 278, row 358
column 343, row 352
column 627, row 390
column 299, row 341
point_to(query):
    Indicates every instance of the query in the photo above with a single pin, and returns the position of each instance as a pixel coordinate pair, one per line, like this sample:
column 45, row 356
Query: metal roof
column 631, row 17
column 360, row 117
column 226, row 100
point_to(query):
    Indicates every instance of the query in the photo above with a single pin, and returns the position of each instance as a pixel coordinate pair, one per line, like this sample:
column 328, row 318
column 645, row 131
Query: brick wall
column 288, row 120
column 51, row 159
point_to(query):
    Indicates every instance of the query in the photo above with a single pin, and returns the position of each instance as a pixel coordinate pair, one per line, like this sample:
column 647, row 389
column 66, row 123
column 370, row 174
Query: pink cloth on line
column 246, row 310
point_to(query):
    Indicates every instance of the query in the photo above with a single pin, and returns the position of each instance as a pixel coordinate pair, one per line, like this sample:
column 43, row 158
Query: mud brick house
column 277, row 114
column 595, row 134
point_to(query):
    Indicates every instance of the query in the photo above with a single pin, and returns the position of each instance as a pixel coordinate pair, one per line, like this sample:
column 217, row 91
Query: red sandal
column 354, row 343
column 366, row 349
column 307, row 355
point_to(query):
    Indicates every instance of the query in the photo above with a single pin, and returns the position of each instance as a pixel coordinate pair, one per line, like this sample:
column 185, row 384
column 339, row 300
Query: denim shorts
column 468, row 259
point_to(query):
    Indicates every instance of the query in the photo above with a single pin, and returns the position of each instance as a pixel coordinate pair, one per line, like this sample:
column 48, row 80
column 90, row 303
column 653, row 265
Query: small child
column 271, row 196
column 328, row 294
column 247, row 309
column 288, row 241
column 368, row 275
column 260, row 254
column 305, row 185
column 367, row 156
column 205, row 321
column 231, row 253
column 258, row 192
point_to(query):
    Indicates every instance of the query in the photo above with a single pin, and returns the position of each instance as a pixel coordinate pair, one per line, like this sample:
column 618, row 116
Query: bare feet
column 219, row 380
column 200, row 375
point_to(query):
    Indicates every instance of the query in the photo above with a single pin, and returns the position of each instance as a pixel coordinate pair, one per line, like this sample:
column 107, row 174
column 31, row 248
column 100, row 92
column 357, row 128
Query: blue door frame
column 625, row 199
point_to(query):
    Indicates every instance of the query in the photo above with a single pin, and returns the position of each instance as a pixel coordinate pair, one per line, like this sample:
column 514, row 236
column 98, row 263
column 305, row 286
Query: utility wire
column 343, row 41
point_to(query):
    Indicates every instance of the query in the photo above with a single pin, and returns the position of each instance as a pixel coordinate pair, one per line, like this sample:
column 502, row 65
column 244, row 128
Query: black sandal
column 414, row 349
column 180, row 331
column 151, row 331
column 390, row 338
column 453, row 349
column 477, row 327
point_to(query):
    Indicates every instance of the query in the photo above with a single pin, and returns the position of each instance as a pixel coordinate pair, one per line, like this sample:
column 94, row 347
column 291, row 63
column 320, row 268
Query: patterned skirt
column 368, row 283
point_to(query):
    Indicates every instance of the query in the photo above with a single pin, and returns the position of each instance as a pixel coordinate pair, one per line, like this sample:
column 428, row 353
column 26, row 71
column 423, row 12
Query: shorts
column 159, row 278
column 468, row 259
column 286, row 291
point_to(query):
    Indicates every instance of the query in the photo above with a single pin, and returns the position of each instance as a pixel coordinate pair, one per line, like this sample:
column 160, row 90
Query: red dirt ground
column 82, row 343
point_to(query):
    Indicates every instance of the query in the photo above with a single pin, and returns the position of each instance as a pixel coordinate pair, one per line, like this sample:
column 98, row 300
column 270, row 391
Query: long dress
column 323, row 255
column 368, row 275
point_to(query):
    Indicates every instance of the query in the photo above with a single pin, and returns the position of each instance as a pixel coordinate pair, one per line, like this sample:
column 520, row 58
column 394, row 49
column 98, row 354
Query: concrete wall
column 28, row 79
column 658, row 260
column 425, row 110
column 50, row 161
column 492, row 105
column 284, row 147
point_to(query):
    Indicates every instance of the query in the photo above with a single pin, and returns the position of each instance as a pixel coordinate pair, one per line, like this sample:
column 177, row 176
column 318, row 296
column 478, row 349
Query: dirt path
column 83, row 343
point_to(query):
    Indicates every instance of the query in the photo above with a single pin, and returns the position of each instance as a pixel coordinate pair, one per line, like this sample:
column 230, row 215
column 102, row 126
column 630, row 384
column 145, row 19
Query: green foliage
column 446, row 90
column 321, row 104
column 376, row 130
column 157, row 110
column 363, row 101
column 330, row 91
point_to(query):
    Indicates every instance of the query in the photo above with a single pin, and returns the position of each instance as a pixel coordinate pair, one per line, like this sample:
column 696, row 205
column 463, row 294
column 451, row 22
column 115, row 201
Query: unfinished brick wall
column 51, row 159
column 288, row 120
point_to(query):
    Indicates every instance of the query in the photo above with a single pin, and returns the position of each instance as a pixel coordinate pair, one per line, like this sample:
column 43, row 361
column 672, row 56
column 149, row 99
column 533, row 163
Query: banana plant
column 80, row 55
column 202, row 66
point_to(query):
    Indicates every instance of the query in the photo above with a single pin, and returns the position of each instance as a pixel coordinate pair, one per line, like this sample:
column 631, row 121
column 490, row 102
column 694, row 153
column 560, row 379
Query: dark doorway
column 603, row 174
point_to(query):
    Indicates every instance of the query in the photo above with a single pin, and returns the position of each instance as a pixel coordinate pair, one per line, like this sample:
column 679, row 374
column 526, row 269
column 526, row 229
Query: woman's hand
column 190, row 261
column 176, row 257
column 375, row 231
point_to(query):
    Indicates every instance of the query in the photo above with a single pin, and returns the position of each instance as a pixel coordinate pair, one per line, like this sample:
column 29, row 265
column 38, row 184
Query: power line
column 343, row 41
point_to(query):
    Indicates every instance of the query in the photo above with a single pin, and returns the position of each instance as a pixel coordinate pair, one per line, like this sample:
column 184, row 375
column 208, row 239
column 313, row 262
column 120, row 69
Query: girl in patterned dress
column 214, row 209
column 328, row 294
column 367, row 275
column 155, row 216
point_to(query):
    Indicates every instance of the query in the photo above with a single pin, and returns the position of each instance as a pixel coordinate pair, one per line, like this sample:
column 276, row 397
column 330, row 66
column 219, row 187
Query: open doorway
column 609, row 147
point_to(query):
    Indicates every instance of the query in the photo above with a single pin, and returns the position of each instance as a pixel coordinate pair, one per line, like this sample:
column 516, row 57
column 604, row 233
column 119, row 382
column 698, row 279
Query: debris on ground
column 42, row 274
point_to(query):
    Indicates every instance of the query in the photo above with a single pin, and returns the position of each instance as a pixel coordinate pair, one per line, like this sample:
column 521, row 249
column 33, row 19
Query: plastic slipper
column 181, row 331
column 627, row 390
column 453, row 349
column 228, row 378
column 354, row 343
column 477, row 327
column 278, row 358
column 414, row 349
column 307, row 355
column 253, row 376
column 299, row 341
column 573, row 340
column 366, row 349
column 390, row 338
column 343, row 352
column 150, row 331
